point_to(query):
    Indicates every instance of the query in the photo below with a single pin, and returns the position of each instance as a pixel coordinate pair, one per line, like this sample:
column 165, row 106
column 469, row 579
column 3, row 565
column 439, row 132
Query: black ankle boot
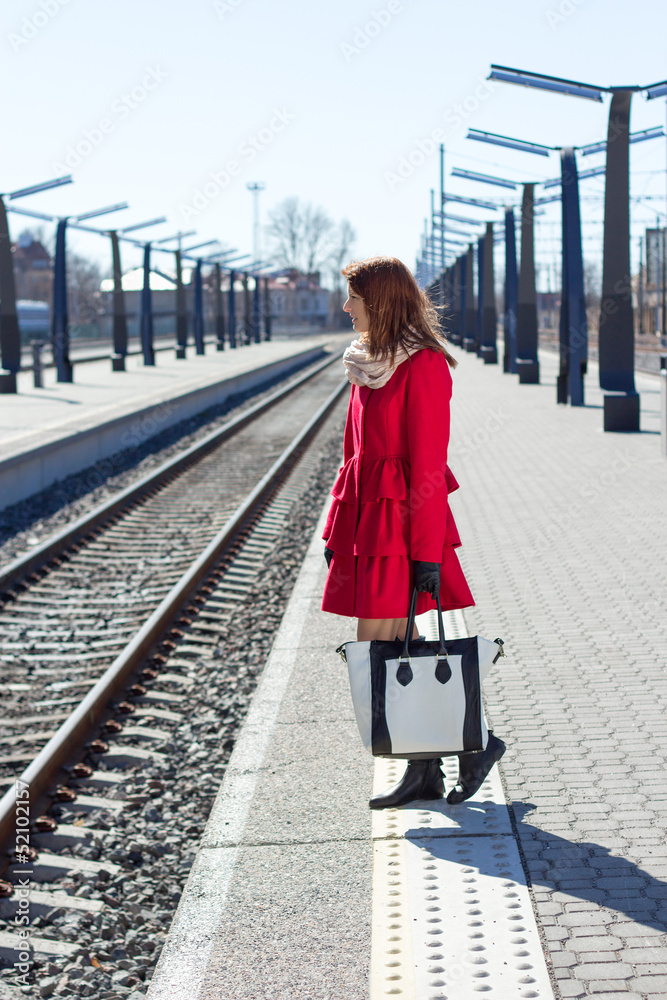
column 422, row 780
column 473, row 769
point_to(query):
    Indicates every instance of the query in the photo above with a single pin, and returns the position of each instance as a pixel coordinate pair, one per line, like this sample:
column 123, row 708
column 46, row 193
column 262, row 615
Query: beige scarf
column 364, row 370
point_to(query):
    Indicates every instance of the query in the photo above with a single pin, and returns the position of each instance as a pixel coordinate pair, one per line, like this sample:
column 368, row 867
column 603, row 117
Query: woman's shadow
column 583, row 870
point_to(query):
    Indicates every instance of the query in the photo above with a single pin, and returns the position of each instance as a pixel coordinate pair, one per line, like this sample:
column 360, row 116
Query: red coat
column 391, row 496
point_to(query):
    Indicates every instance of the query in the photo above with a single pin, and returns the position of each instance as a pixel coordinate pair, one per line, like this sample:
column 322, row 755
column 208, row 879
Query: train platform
column 58, row 430
column 552, row 881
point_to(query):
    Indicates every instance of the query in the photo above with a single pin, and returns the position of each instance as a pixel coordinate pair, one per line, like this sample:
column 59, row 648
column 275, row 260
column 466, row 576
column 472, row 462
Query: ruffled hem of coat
column 380, row 586
column 385, row 478
column 378, row 528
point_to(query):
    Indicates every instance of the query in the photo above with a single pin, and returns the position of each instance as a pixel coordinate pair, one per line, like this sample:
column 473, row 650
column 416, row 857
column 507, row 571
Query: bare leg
column 377, row 628
column 383, row 628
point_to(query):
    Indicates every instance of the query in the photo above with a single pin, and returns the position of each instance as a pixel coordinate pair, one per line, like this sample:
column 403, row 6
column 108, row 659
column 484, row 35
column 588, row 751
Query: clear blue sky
column 315, row 99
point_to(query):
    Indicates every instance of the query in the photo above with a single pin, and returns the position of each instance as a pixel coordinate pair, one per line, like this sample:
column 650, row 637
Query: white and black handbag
column 416, row 698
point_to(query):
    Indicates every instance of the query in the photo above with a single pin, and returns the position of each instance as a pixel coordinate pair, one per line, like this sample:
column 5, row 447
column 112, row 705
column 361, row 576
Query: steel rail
column 47, row 767
column 14, row 571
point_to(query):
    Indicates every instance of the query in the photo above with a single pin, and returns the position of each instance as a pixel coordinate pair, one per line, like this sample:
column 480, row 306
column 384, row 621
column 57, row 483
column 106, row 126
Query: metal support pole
column 640, row 290
column 662, row 239
column 511, row 294
column 470, row 310
column 658, row 285
column 60, row 321
column 527, row 362
column 256, row 329
column 461, row 276
column 663, row 407
column 10, row 335
column 231, row 310
column 181, row 311
column 616, row 335
column 489, row 343
column 219, row 313
column 37, row 366
column 451, row 307
column 247, row 312
column 573, row 337
column 147, row 311
column 267, row 310
column 480, row 294
column 199, row 311
column 119, row 316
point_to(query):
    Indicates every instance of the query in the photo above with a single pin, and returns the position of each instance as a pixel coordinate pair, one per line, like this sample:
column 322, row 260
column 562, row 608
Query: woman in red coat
column 390, row 527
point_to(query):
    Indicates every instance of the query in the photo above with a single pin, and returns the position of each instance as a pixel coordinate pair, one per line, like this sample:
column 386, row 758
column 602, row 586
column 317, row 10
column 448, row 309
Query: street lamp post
column 256, row 187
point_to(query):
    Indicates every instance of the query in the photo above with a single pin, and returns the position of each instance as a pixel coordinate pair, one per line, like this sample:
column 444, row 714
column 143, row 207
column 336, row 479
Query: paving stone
column 596, row 942
column 592, row 918
column 638, row 955
column 605, row 970
column 651, row 985
column 564, row 960
column 572, row 988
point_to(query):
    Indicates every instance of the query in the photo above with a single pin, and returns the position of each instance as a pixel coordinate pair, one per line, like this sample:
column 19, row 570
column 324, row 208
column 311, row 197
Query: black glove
column 328, row 554
column 426, row 577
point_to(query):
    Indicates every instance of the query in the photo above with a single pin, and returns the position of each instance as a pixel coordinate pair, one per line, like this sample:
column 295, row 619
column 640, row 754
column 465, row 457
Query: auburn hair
column 399, row 311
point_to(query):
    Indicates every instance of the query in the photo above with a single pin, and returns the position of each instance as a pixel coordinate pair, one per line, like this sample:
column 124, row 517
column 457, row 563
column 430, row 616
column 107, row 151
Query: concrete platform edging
column 181, row 970
column 28, row 472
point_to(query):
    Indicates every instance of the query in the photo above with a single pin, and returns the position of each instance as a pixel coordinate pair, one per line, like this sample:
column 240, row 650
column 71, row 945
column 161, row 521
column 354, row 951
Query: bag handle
column 442, row 649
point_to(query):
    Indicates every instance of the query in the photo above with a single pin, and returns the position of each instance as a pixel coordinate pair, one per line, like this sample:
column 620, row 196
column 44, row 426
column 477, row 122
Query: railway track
column 125, row 623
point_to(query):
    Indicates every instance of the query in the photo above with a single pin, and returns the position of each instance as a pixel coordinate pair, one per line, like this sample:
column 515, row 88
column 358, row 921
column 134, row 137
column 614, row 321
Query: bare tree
column 300, row 235
column 343, row 240
column 317, row 230
column 593, row 294
column 85, row 301
column 285, row 233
